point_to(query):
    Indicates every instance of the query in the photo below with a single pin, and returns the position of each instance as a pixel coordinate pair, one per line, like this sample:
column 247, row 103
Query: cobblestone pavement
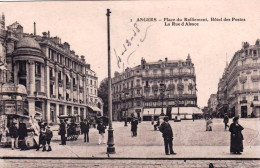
column 16, row 163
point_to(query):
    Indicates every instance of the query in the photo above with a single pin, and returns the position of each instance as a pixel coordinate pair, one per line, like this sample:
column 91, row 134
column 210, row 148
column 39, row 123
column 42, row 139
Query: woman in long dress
column 236, row 143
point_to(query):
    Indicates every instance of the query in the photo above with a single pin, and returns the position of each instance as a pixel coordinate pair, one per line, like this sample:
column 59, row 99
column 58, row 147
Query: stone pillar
column 84, row 90
column 42, row 77
column 31, row 107
column 56, row 82
column 238, row 108
column 84, row 114
column 47, row 81
column 64, row 85
column 72, row 110
column 78, row 110
column 27, row 78
column 71, row 87
column 65, row 109
column 57, row 111
column 249, row 109
column 32, row 77
column 44, row 115
column 78, row 92
column 16, row 73
column 48, row 111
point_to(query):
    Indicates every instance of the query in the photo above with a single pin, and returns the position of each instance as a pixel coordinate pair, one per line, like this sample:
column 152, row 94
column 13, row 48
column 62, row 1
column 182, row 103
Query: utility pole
column 110, row 141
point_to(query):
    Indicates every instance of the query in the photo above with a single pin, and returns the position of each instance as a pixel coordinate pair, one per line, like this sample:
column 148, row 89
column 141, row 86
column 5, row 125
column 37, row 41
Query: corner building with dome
column 58, row 82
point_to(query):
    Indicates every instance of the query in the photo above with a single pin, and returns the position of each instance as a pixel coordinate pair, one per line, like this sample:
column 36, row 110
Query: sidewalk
column 190, row 141
column 99, row 151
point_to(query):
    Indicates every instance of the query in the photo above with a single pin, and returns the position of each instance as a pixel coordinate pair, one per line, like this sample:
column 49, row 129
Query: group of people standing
column 18, row 133
column 45, row 136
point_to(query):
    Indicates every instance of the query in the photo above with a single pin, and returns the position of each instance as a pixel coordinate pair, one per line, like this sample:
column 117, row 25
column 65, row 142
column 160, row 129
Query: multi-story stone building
column 240, row 84
column 151, row 87
column 212, row 104
column 3, row 39
column 58, row 81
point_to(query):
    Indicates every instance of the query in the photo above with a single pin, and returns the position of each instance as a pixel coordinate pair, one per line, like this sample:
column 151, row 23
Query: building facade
column 239, row 87
column 212, row 104
column 3, row 43
column 153, row 87
column 58, row 81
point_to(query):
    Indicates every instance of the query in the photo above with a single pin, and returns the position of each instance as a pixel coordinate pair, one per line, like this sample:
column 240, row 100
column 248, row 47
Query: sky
column 83, row 24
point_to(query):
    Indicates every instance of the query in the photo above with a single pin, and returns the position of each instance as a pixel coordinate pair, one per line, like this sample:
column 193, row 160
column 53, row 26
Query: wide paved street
column 128, row 163
column 186, row 133
column 190, row 141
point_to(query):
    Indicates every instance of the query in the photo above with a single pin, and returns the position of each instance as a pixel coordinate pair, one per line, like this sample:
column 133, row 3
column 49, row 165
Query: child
column 48, row 137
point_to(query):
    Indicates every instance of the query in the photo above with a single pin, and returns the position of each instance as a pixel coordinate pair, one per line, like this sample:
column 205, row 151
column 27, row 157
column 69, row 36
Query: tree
column 103, row 94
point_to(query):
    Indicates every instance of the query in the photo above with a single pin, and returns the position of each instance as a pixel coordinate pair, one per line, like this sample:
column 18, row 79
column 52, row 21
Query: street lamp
column 177, row 118
column 126, row 110
column 162, row 91
column 110, row 141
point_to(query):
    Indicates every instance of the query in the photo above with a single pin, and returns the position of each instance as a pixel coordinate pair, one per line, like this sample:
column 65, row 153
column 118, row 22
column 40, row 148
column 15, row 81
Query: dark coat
column 85, row 127
column 22, row 131
column 13, row 131
column 226, row 119
column 48, row 134
column 166, row 130
column 101, row 128
column 62, row 129
column 236, row 143
column 134, row 123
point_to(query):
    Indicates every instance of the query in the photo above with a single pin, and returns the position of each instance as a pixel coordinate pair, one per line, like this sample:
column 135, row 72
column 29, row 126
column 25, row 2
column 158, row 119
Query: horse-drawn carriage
column 73, row 126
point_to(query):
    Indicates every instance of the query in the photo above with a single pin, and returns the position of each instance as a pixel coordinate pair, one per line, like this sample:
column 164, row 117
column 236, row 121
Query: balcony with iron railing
column 60, row 97
column 38, row 75
column 53, row 96
column 75, row 88
column 60, row 84
column 138, row 86
column 38, row 109
column 68, row 86
column 39, row 94
column 52, row 78
column 81, row 89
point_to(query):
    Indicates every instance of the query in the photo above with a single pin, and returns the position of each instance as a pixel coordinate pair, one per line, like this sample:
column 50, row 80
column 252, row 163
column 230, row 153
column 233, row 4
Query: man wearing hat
column 101, row 130
column 134, row 123
column 63, row 132
column 48, row 136
column 167, row 134
column 226, row 120
column 85, row 130
column 13, row 132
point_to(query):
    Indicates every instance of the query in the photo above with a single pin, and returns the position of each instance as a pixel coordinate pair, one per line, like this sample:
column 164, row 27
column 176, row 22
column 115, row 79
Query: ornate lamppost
column 126, row 108
column 178, row 117
column 162, row 91
column 110, row 141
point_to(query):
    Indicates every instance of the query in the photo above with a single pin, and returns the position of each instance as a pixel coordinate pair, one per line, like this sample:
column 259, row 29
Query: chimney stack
column 48, row 34
column 34, row 28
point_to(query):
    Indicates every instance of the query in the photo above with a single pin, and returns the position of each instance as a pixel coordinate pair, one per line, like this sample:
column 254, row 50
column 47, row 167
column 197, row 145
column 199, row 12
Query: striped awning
column 153, row 111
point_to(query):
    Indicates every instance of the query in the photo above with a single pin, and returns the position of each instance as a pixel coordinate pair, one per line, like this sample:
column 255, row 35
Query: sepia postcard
column 130, row 83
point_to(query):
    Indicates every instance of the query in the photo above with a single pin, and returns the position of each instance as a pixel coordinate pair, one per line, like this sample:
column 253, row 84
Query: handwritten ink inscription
column 131, row 44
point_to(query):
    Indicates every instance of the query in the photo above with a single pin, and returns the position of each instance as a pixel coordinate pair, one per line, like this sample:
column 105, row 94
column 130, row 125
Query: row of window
column 155, row 72
column 54, row 56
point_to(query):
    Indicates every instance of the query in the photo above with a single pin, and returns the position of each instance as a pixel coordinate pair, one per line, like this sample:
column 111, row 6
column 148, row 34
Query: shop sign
column 10, row 107
column 9, row 88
